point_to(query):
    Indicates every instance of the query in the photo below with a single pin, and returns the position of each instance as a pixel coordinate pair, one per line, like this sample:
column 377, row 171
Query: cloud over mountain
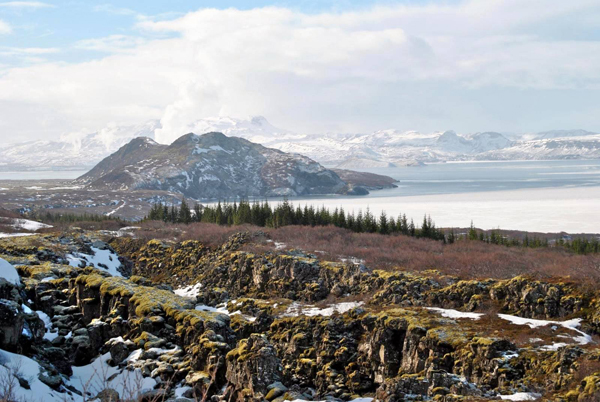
column 469, row 65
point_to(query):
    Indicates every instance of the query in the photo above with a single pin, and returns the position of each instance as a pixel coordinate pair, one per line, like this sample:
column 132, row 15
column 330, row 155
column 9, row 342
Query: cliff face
column 224, row 324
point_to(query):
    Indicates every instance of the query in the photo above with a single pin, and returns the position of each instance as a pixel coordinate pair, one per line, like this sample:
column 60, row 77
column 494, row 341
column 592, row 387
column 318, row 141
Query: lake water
column 468, row 177
column 43, row 175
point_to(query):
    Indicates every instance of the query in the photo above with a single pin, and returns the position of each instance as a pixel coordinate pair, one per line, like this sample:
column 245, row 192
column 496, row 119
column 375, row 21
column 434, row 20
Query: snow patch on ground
column 221, row 308
column 296, row 309
column 352, row 260
column 247, row 317
column 109, row 260
column 126, row 231
column 98, row 375
column 116, row 209
column 8, row 272
column 12, row 365
column 521, row 396
column 573, row 325
column 48, row 324
column 450, row 313
column 189, row 291
column 66, row 188
column 15, row 234
column 278, row 245
column 29, row 225
column 555, row 346
column 510, row 355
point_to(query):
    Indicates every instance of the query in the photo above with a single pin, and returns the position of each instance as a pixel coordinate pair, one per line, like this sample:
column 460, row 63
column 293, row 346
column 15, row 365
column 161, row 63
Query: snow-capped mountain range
column 381, row 148
column 73, row 151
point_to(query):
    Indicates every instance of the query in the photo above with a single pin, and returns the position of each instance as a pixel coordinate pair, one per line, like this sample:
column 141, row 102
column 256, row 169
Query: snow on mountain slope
column 563, row 134
column 380, row 148
column 585, row 147
column 392, row 147
column 73, row 150
column 212, row 165
column 488, row 141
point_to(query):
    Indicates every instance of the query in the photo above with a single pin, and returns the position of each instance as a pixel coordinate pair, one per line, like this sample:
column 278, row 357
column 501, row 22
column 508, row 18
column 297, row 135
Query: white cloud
column 473, row 65
column 110, row 44
column 5, row 28
column 29, row 51
column 111, row 9
column 26, row 4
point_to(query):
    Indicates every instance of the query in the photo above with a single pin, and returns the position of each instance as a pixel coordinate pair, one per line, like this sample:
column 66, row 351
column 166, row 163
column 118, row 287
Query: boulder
column 107, row 395
column 12, row 321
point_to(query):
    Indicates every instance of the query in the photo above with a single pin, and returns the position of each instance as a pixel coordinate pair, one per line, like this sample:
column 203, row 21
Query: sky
column 71, row 67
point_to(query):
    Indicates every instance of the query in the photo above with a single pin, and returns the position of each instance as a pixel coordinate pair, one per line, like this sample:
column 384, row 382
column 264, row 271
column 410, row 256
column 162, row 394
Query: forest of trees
column 264, row 215
column 61, row 217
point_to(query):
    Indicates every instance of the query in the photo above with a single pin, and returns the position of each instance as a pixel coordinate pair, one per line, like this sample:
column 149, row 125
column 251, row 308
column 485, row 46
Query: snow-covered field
column 573, row 210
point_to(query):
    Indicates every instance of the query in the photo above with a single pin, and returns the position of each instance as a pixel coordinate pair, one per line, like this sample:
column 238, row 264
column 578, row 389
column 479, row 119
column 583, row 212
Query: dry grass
column 209, row 234
column 465, row 259
column 586, row 367
column 86, row 225
column 5, row 213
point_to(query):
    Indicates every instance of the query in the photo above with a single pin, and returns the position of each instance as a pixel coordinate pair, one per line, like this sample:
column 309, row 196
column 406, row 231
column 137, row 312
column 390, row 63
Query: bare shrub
column 211, row 235
column 465, row 259
column 10, row 381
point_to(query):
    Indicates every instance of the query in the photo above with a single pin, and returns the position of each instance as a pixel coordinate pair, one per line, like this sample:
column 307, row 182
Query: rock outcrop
column 286, row 326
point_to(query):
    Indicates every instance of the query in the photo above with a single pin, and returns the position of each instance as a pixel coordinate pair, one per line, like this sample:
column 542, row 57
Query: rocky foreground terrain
column 106, row 316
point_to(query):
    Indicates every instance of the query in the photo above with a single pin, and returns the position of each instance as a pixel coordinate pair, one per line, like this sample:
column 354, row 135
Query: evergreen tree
column 185, row 214
column 384, row 227
column 472, row 232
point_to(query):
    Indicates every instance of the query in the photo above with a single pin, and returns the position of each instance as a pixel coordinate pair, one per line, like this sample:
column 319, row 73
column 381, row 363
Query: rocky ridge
column 212, row 166
column 199, row 323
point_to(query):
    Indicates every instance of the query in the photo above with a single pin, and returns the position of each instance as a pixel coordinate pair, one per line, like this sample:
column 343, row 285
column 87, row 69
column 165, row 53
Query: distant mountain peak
column 259, row 120
column 552, row 134
column 378, row 148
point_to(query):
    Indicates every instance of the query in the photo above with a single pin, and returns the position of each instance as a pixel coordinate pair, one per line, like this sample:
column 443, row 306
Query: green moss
column 150, row 300
column 483, row 341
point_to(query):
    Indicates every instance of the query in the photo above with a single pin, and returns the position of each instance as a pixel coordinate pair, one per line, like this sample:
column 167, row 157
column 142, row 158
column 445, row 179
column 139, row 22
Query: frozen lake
column 545, row 196
column 42, row 175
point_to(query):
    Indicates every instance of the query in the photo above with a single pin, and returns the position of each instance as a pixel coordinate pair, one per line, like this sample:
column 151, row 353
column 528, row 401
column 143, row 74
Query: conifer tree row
column 284, row 214
column 264, row 215
column 64, row 217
